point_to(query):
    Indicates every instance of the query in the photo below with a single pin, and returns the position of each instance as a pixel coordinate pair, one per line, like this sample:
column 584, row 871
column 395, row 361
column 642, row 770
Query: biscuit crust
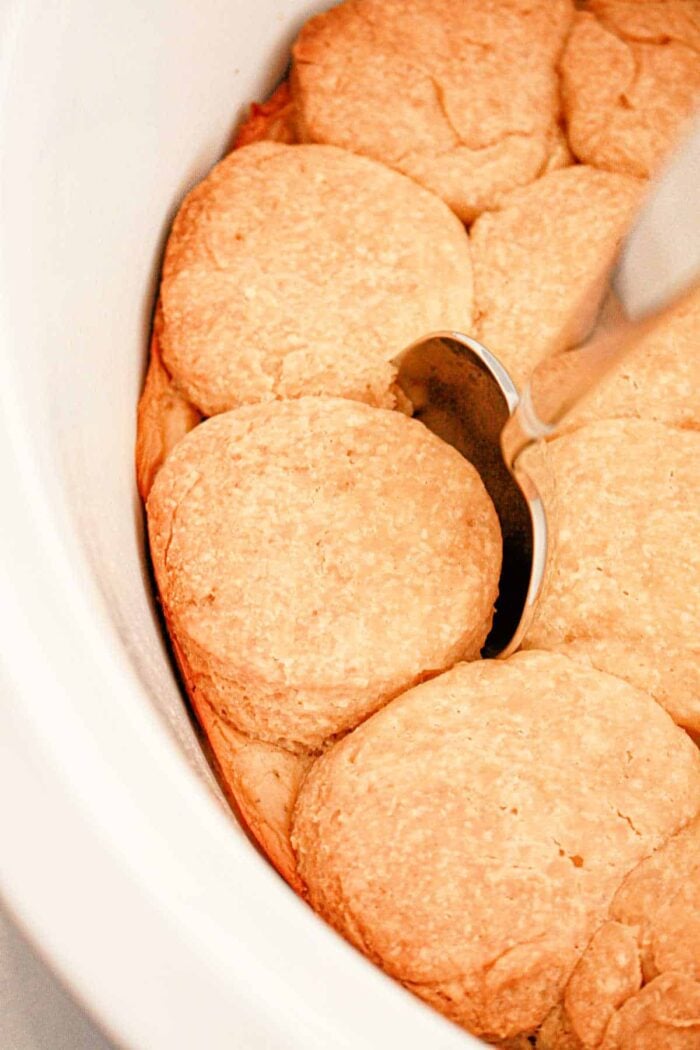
column 270, row 121
column 164, row 416
column 470, row 837
column 315, row 558
column 295, row 270
column 462, row 97
column 630, row 76
column 638, row 982
column 542, row 262
column 659, row 380
column 624, row 591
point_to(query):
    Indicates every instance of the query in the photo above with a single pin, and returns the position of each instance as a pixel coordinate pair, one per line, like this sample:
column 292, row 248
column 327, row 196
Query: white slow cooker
column 119, row 857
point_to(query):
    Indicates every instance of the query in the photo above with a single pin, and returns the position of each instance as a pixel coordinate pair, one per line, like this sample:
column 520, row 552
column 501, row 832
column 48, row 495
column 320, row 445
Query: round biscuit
column 315, row 558
column 630, row 77
column 463, row 97
column 470, row 836
column 542, row 261
column 294, row 270
column 624, row 587
column 638, row 982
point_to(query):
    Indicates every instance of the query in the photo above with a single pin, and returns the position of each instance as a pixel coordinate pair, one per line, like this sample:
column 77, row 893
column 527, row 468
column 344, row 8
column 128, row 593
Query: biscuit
column 315, row 558
column 658, row 380
column 624, row 588
column 163, row 417
column 542, row 262
column 630, row 76
column 637, row 985
column 259, row 780
column 470, row 836
column 462, row 97
column 269, row 121
column 295, row 270
column 559, row 154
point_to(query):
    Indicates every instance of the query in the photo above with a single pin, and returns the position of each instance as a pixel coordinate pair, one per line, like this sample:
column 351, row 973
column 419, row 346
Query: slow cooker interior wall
column 118, row 152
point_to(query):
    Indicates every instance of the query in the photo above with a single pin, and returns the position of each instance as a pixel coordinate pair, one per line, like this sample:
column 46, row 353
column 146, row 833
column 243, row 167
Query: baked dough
column 463, row 97
column 637, row 985
column 470, row 836
column 295, row 270
column 315, row 558
column 542, row 261
column 270, row 121
column 658, row 380
column 624, row 590
column 164, row 416
column 630, row 76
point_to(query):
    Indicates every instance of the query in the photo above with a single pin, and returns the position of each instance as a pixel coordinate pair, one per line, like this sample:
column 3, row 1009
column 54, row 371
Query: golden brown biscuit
column 559, row 154
column 470, row 836
column 295, row 270
column 269, row 121
column 315, row 558
column 259, row 780
column 164, row 416
column 660, row 378
column 542, row 262
column 637, row 985
column 624, row 591
column 462, row 97
column 630, row 76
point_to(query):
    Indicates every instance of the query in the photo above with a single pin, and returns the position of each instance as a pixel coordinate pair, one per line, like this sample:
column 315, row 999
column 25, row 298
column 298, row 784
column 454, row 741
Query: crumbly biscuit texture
column 259, row 780
column 270, row 121
column 658, row 380
column 316, row 557
column 637, row 985
column 630, row 76
column 624, row 589
column 542, row 260
column 295, row 270
column 463, row 97
column 262, row 781
column 470, row 837
column 164, row 417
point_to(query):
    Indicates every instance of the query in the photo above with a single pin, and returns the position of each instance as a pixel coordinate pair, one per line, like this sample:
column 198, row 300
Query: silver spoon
column 461, row 392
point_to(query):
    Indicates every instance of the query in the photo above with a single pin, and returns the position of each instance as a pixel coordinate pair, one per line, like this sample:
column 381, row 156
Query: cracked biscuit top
column 462, row 97
column 637, row 985
column 315, row 557
column 542, row 262
column 630, row 76
column 470, row 836
column 295, row 270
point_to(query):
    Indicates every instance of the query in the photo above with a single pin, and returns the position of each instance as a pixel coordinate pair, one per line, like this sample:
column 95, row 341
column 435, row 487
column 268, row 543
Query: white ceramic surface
column 118, row 856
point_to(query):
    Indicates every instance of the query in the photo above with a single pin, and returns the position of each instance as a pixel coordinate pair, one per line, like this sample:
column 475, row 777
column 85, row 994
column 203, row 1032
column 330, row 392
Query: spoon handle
column 658, row 261
column 562, row 381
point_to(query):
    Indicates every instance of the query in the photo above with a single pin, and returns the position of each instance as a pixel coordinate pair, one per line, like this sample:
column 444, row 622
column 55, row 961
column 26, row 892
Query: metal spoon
column 461, row 392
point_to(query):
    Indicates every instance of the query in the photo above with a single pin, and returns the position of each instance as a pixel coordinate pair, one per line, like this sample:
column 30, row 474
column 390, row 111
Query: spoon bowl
column 461, row 392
